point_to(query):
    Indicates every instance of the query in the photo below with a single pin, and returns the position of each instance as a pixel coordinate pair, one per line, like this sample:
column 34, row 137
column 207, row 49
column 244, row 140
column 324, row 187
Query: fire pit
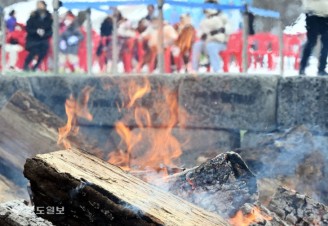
column 147, row 150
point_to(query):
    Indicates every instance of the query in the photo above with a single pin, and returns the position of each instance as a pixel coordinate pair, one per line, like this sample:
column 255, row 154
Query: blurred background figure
column 151, row 12
column 126, row 35
column 69, row 44
column 185, row 20
column 213, row 33
column 11, row 21
column 104, row 47
column 15, row 44
column 316, row 25
column 170, row 35
column 39, row 30
column 67, row 20
column 185, row 41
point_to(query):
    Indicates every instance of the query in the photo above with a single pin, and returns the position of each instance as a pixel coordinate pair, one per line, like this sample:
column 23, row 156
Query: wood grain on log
column 93, row 191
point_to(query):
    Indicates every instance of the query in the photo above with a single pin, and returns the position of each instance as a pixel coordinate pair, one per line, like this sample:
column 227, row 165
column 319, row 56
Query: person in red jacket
column 15, row 44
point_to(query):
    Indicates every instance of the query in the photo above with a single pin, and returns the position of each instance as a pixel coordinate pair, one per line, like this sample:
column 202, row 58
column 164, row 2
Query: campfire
column 142, row 181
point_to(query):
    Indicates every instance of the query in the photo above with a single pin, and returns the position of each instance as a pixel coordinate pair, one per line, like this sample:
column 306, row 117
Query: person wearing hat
column 213, row 33
column 39, row 30
column 316, row 25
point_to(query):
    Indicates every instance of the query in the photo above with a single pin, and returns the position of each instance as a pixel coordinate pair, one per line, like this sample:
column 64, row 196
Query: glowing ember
column 245, row 220
column 74, row 109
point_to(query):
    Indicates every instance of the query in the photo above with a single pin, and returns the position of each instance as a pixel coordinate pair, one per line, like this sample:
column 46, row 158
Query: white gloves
column 40, row 32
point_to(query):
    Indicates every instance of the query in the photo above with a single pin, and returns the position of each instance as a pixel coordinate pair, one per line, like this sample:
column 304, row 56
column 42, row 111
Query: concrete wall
column 211, row 108
column 257, row 103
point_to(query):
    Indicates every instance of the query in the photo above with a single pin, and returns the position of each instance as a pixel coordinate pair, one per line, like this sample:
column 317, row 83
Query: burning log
column 92, row 191
column 297, row 209
column 221, row 185
column 256, row 215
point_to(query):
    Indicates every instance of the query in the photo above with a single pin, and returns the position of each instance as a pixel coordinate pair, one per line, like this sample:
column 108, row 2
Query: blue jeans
column 212, row 49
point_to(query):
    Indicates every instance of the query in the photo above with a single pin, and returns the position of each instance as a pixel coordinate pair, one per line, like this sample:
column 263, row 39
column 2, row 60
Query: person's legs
column 74, row 60
column 13, row 54
column 62, row 62
column 213, row 50
column 324, row 48
column 31, row 55
column 197, row 50
column 312, row 36
column 42, row 53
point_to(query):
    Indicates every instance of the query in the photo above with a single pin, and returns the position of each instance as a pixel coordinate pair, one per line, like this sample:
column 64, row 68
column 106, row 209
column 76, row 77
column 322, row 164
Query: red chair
column 234, row 49
column 7, row 57
column 264, row 44
column 292, row 48
column 167, row 59
column 127, row 54
column 141, row 54
column 20, row 36
column 83, row 49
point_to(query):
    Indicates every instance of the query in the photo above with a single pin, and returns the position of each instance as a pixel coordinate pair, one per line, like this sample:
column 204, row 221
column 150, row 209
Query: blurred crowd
column 29, row 46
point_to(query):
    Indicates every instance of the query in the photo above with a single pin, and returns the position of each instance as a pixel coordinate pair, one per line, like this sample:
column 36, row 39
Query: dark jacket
column 106, row 28
column 35, row 22
column 70, row 39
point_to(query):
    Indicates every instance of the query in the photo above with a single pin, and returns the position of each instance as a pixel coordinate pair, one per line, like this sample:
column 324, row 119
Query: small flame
column 136, row 92
column 74, row 109
column 245, row 220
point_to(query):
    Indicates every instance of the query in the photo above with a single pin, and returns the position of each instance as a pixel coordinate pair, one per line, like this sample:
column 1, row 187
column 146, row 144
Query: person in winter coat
column 69, row 46
column 15, row 44
column 11, row 21
column 104, row 47
column 39, row 30
column 214, row 30
column 316, row 25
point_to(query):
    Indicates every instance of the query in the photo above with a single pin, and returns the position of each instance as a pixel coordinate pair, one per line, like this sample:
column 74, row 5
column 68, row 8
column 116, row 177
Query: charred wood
column 94, row 192
column 298, row 209
column 221, row 185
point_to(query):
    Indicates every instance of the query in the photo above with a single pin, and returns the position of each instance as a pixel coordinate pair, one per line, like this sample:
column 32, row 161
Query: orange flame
column 146, row 148
column 245, row 220
column 74, row 109
column 136, row 92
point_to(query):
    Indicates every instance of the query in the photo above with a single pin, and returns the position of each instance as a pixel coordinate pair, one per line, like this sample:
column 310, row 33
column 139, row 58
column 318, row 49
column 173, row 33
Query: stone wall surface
column 109, row 98
column 303, row 101
column 244, row 102
column 255, row 103
column 9, row 85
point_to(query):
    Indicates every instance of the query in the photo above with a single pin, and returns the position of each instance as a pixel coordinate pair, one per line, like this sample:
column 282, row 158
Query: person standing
column 214, row 30
column 11, row 22
column 104, row 52
column 39, row 30
column 316, row 25
column 69, row 46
